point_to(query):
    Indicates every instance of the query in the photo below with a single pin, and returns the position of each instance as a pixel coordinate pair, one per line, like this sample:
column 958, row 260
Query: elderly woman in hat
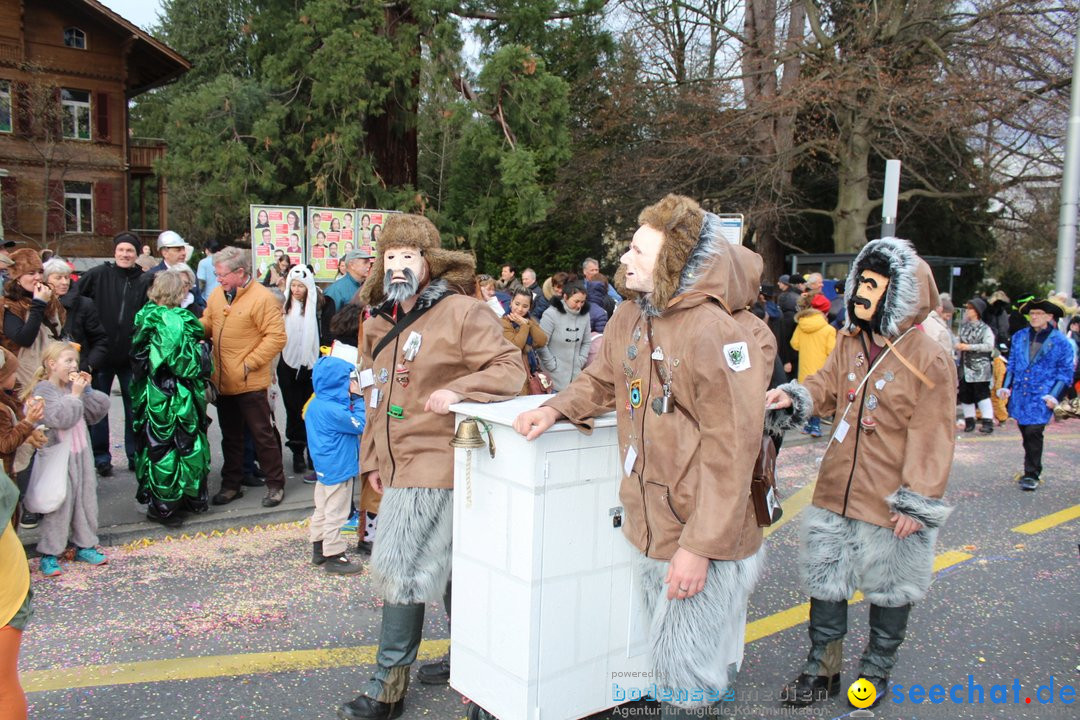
column 82, row 324
column 32, row 314
column 1040, row 370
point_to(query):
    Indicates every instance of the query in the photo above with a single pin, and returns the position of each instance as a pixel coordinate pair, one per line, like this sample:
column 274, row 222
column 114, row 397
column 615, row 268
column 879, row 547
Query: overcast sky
column 141, row 12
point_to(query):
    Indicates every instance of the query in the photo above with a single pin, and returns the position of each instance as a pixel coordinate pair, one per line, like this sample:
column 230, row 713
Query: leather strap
column 907, row 363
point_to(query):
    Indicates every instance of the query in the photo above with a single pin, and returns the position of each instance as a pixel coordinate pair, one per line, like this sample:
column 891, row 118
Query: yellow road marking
column 190, row 668
column 799, row 614
column 793, row 506
column 1048, row 521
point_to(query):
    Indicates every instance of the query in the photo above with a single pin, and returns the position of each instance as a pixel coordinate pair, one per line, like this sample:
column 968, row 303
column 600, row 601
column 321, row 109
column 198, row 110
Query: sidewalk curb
column 217, row 519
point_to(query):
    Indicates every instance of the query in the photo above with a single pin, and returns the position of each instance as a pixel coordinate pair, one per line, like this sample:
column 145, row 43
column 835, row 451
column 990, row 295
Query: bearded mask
column 406, row 273
column 867, row 298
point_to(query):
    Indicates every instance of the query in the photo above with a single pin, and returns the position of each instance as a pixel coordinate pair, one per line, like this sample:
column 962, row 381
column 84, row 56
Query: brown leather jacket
column 690, row 481
column 462, row 349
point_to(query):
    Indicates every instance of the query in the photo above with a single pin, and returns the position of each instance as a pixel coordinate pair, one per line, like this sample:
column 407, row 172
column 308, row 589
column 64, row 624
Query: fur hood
column 912, row 292
column 557, row 303
column 696, row 263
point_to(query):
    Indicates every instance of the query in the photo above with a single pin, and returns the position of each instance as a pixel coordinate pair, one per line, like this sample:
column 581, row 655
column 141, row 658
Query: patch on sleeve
column 737, row 356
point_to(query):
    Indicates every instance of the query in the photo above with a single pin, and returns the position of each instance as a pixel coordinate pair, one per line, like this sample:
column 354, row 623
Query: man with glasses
column 119, row 292
column 243, row 320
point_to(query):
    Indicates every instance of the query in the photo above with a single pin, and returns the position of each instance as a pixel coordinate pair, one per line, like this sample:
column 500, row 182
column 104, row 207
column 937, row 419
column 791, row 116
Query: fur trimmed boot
column 969, row 424
column 888, row 628
column 819, row 678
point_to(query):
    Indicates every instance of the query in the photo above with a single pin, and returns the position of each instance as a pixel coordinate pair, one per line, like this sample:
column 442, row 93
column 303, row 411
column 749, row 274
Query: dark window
column 78, row 207
column 75, row 38
column 5, row 106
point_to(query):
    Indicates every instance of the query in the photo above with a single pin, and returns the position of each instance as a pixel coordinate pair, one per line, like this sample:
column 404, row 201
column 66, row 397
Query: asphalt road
column 240, row 625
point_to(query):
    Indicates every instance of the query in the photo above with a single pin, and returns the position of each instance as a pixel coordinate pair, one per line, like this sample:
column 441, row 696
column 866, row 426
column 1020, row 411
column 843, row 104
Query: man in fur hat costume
column 877, row 506
column 428, row 346
column 681, row 367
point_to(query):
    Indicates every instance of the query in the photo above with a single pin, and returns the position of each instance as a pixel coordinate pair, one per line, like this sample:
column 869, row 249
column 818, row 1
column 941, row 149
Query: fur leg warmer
column 411, row 558
column 694, row 641
column 839, row 555
column 802, row 408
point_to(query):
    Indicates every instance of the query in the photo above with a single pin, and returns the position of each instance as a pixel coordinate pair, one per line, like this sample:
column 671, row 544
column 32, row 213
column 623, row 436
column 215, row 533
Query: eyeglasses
column 223, row 275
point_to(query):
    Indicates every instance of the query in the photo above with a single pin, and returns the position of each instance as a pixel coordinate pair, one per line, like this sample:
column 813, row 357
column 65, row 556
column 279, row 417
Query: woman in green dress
column 172, row 365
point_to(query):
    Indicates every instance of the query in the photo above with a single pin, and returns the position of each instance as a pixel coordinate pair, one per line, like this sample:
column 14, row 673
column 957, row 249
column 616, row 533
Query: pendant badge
column 868, row 425
column 635, row 393
column 397, row 412
column 637, row 334
column 401, row 376
column 658, row 354
column 851, row 377
column 384, row 375
column 871, row 402
column 851, row 396
column 631, row 351
column 880, row 384
column 889, row 377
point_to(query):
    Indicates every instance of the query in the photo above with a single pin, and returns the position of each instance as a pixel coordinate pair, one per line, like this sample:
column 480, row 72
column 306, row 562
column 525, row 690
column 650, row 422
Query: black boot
column 986, row 427
column 438, row 673
column 969, row 424
column 298, row 464
column 316, row 553
column 888, row 628
column 820, row 675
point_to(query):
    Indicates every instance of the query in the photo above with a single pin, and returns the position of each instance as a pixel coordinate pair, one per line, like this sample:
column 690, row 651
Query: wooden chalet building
column 67, row 165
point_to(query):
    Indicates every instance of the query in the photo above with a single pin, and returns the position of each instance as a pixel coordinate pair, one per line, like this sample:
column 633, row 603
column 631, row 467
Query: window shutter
column 10, row 199
column 104, row 218
column 102, row 112
column 55, row 209
column 57, row 117
column 24, row 122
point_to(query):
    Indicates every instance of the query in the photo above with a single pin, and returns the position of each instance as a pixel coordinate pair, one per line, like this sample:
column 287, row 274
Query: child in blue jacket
column 334, row 425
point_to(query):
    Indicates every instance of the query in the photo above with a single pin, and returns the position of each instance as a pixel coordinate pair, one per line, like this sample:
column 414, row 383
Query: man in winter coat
column 428, row 346
column 243, row 320
column 119, row 292
column 1040, row 371
column 681, row 371
column 877, row 506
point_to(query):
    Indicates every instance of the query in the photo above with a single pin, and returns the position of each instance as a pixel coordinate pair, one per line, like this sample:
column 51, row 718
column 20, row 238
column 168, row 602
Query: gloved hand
column 1050, row 400
column 1004, row 393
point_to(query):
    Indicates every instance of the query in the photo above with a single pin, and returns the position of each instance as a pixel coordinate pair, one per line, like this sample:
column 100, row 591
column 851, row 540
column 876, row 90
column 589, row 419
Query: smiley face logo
column 862, row 693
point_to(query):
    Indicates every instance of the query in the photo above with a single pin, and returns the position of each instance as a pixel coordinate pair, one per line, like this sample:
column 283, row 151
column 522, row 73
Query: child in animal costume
column 877, row 506
column 681, row 368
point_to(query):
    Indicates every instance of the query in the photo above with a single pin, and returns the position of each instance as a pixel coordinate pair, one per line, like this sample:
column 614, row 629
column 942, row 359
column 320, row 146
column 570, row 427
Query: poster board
column 369, row 226
column 732, row 227
column 331, row 234
column 276, row 230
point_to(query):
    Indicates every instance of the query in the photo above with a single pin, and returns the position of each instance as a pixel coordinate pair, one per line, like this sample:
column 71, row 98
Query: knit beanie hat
column 821, row 303
column 126, row 237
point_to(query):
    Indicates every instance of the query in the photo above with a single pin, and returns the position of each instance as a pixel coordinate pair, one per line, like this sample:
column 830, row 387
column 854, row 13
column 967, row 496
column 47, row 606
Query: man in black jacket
column 119, row 292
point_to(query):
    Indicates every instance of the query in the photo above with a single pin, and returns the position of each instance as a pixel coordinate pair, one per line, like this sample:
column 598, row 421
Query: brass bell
column 467, row 435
